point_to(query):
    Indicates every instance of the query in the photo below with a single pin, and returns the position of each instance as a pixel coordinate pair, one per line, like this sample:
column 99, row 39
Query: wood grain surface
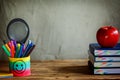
column 59, row 70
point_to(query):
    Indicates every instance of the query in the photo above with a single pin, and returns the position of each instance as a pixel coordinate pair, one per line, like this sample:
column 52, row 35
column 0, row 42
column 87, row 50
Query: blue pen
column 27, row 47
column 30, row 50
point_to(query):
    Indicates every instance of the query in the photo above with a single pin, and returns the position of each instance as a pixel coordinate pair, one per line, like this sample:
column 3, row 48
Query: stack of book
column 104, row 60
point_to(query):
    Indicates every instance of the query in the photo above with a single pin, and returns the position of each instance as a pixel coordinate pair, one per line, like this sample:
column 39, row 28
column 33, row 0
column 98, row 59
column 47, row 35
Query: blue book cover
column 97, row 50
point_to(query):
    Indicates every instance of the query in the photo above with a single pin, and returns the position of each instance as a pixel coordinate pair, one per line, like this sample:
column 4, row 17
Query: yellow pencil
column 8, row 48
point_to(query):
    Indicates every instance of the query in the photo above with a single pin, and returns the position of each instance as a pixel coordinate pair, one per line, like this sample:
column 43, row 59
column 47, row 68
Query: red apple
column 107, row 36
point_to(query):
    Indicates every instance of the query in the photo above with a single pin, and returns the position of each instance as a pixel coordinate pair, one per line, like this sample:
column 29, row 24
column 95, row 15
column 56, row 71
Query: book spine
column 107, row 71
column 109, row 59
column 106, row 64
column 99, row 52
column 106, row 52
column 101, row 59
column 102, row 70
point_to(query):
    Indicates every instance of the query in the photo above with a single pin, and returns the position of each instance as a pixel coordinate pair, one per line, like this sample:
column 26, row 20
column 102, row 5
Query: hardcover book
column 97, row 50
column 105, row 64
column 102, row 59
column 103, row 70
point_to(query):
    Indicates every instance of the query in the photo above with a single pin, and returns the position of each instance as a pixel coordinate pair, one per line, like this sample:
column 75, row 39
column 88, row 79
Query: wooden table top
column 59, row 70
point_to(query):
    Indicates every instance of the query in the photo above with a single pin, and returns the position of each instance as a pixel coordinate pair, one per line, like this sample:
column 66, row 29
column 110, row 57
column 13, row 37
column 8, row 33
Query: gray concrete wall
column 61, row 29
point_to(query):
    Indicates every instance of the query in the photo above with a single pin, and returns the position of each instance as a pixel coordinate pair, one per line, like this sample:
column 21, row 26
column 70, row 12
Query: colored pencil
column 30, row 50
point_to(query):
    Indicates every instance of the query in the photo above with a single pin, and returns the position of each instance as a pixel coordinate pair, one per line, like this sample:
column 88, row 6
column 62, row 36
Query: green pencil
column 6, row 51
column 18, row 49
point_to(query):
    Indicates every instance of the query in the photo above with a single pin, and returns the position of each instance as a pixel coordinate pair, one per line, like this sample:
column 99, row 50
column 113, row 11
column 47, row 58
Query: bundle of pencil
column 18, row 50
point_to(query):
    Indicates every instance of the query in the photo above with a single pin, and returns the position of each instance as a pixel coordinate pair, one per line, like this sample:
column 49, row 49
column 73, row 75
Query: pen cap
column 20, row 66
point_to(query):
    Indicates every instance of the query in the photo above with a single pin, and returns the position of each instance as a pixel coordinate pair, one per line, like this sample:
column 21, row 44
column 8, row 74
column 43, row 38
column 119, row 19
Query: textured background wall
column 61, row 29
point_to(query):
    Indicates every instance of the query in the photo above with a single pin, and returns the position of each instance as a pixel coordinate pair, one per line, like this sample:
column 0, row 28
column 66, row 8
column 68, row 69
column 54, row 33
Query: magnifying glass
column 18, row 30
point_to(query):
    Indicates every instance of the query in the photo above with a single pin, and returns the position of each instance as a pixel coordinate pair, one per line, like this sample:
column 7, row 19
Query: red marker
column 12, row 48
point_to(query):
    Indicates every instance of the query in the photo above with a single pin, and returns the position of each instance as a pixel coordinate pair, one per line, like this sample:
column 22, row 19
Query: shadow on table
column 75, row 69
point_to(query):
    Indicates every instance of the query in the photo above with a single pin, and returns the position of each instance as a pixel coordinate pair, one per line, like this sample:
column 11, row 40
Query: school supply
column 18, row 30
column 102, row 71
column 104, row 60
column 18, row 50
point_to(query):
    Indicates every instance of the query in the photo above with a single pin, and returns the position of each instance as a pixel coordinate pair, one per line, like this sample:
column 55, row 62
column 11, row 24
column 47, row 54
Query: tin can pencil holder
column 20, row 66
